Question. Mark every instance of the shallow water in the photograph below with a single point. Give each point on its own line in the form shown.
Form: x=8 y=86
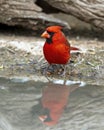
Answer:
x=57 y=105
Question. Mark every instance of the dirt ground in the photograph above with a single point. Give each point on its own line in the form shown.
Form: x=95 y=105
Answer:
x=21 y=55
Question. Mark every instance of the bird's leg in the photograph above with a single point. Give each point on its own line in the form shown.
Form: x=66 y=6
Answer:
x=64 y=73
x=50 y=69
x=45 y=71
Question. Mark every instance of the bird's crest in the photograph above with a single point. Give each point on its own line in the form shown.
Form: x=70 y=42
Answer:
x=54 y=28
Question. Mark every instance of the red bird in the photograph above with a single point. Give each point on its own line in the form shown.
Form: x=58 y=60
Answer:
x=56 y=48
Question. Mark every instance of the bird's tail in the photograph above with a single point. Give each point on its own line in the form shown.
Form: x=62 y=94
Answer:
x=74 y=48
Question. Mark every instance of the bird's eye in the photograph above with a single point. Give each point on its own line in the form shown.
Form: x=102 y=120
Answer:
x=49 y=40
x=50 y=33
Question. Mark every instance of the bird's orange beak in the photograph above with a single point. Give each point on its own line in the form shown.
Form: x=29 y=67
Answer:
x=45 y=35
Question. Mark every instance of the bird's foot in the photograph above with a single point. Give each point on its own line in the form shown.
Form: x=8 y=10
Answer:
x=48 y=70
x=62 y=71
x=53 y=69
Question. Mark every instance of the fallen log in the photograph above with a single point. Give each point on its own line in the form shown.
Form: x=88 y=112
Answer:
x=90 y=11
x=27 y=14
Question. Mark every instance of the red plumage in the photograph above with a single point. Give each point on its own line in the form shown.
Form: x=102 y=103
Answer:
x=56 y=48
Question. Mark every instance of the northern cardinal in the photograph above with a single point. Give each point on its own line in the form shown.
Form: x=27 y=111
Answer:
x=56 y=48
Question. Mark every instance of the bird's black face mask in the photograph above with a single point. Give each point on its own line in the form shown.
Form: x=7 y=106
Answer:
x=49 y=40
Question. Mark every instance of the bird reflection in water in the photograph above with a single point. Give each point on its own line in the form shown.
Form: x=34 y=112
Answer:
x=54 y=100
